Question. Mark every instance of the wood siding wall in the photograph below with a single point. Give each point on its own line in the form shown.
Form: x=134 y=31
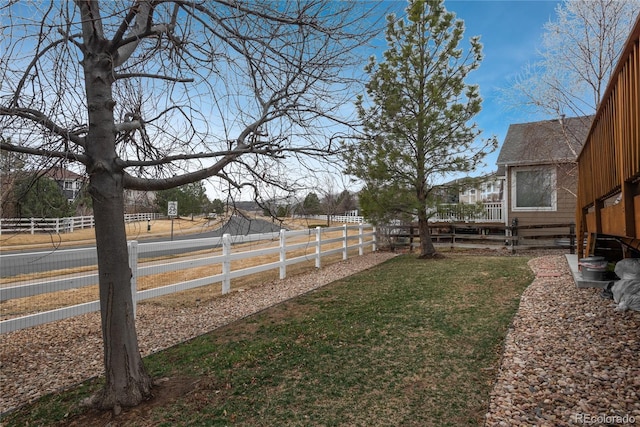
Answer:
x=609 y=164
x=565 y=212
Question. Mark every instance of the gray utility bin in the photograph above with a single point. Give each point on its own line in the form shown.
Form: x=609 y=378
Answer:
x=593 y=267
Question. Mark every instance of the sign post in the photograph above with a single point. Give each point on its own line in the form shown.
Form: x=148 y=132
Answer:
x=172 y=212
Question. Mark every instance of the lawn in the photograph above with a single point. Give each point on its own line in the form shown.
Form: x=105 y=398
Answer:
x=409 y=342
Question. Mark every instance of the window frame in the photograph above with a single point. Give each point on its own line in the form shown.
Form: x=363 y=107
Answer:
x=552 y=171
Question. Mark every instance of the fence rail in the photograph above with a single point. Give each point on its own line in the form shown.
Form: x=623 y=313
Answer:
x=59 y=225
x=496 y=236
x=317 y=240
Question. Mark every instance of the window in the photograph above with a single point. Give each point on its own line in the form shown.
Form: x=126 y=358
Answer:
x=533 y=189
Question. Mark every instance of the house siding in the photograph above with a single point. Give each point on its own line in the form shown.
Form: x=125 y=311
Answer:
x=565 y=205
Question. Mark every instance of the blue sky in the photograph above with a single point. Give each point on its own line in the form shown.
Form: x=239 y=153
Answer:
x=511 y=33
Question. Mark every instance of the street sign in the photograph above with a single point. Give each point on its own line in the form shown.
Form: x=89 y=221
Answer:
x=172 y=209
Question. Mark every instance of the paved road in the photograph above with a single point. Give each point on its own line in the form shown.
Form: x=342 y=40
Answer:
x=13 y=264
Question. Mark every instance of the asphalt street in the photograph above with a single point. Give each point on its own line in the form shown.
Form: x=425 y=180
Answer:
x=15 y=263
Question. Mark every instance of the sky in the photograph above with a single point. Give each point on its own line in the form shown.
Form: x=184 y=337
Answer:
x=511 y=34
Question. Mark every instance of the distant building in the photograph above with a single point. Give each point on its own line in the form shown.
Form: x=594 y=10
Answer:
x=486 y=188
x=69 y=182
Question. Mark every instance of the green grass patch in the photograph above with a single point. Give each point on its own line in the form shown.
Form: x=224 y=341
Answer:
x=410 y=342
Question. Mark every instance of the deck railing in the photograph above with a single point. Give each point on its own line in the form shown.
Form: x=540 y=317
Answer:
x=482 y=212
x=609 y=164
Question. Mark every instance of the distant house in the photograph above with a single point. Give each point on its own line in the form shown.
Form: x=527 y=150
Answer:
x=69 y=182
x=138 y=201
x=539 y=163
x=486 y=188
x=477 y=200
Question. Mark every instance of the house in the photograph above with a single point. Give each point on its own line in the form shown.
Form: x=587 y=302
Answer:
x=138 y=201
x=69 y=182
x=485 y=193
x=539 y=163
x=486 y=188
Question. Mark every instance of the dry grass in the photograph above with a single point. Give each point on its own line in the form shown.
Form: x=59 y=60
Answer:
x=135 y=230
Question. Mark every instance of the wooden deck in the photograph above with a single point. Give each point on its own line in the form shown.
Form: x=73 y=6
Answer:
x=609 y=165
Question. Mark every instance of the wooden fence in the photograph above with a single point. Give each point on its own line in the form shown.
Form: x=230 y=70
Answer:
x=482 y=236
x=316 y=240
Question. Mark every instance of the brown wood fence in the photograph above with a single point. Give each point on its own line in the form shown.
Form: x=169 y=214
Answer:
x=543 y=236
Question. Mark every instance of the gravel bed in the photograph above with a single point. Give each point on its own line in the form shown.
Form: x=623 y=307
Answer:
x=569 y=358
x=47 y=358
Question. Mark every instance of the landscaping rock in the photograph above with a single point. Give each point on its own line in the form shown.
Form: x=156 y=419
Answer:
x=569 y=359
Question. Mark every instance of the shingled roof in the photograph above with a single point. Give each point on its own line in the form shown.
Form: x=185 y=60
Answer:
x=547 y=141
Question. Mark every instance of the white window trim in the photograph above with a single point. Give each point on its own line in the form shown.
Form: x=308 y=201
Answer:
x=554 y=194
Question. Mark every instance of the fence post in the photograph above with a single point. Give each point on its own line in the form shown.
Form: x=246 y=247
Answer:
x=514 y=234
x=283 y=254
x=345 y=242
x=133 y=265
x=33 y=224
x=411 y=239
x=360 y=239
x=318 y=246
x=572 y=238
x=375 y=239
x=226 y=263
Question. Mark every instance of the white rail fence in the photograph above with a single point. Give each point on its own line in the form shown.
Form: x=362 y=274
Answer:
x=345 y=219
x=316 y=240
x=60 y=225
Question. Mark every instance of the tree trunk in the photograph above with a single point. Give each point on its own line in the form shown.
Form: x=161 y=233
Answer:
x=427 y=250
x=127 y=382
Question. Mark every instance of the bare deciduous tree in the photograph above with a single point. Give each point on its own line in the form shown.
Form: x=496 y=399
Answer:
x=149 y=95
x=579 y=50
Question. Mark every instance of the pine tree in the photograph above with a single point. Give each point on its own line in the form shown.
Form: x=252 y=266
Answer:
x=417 y=115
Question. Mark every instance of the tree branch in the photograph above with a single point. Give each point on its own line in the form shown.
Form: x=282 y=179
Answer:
x=44 y=121
x=42 y=152
x=34 y=61
x=119 y=76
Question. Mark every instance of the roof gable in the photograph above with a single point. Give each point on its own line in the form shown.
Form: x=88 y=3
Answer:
x=547 y=141
x=60 y=174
